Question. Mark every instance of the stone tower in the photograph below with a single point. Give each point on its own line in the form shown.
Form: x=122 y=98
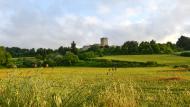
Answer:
x=104 y=41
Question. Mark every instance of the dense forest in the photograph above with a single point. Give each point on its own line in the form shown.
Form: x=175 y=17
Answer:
x=71 y=55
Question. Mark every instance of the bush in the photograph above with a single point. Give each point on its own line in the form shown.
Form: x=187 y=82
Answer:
x=25 y=63
x=11 y=65
x=181 y=66
x=185 y=54
x=54 y=60
x=115 y=63
x=70 y=58
x=151 y=63
x=87 y=55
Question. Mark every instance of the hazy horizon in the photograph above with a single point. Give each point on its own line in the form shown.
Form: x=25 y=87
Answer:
x=54 y=23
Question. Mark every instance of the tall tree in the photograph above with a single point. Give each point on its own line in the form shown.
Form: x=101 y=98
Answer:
x=4 y=56
x=155 y=47
x=73 y=48
x=130 y=47
x=145 y=48
x=41 y=53
x=70 y=58
x=62 y=50
x=183 y=43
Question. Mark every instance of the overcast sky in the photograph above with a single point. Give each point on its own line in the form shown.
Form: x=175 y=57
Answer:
x=52 y=23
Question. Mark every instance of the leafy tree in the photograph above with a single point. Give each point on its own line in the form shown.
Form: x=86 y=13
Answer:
x=117 y=50
x=172 y=46
x=112 y=50
x=165 y=49
x=54 y=59
x=130 y=47
x=70 y=58
x=155 y=47
x=185 y=54
x=87 y=55
x=97 y=49
x=145 y=48
x=5 y=57
x=42 y=53
x=183 y=43
x=62 y=50
x=32 y=52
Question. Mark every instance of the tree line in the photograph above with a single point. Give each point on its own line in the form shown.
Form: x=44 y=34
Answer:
x=128 y=48
x=72 y=54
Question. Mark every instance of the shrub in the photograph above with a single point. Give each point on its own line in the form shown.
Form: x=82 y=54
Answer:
x=70 y=58
x=181 y=66
x=26 y=62
x=54 y=59
x=115 y=63
x=87 y=55
x=185 y=54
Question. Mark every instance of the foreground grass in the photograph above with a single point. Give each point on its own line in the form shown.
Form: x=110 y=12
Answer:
x=94 y=87
x=161 y=59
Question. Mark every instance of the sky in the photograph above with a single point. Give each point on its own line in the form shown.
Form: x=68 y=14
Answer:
x=55 y=23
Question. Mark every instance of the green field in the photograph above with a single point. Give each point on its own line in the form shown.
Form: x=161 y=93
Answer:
x=161 y=59
x=98 y=87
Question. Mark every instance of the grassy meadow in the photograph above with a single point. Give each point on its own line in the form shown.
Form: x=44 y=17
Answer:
x=161 y=59
x=98 y=87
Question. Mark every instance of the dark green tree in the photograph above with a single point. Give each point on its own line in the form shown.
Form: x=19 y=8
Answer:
x=62 y=50
x=42 y=52
x=130 y=47
x=87 y=55
x=74 y=48
x=183 y=43
x=155 y=47
x=145 y=48
x=70 y=58
x=54 y=59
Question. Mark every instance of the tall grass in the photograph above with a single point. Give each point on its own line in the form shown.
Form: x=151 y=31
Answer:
x=21 y=90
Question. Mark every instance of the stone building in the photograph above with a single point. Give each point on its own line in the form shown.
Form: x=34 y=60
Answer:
x=104 y=42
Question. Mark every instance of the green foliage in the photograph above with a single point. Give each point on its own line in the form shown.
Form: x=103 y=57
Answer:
x=183 y=43
x=166 y=49
x=70 y=58
x=41 y=52
x=116 y=63
x=54 y=60
x=26 y=62
x=145 y=48
x=130 y=47
x=18 y=52
x=62 y=50
x=155 y=47
x=2 y=56
x=87 y=55
x=5 y=57
x=185 y=54
x=74 y=48
x=182 y=66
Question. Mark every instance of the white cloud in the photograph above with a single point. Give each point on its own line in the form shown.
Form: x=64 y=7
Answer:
x=27 y=26
x=103 y=9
